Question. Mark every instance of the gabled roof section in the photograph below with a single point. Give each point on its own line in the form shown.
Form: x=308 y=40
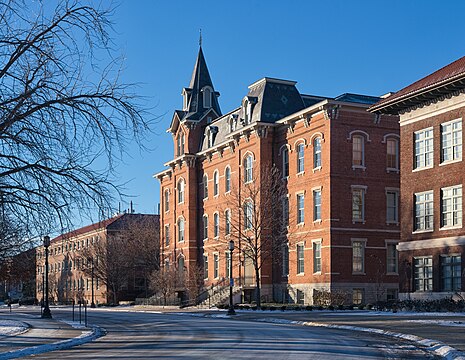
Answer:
x=446 y=80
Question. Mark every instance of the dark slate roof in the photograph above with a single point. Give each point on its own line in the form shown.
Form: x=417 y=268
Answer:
x=220 y=126
x=275 y=99
x=310 y=100
x=199 y=79
x=358 y=98
x=445 y=80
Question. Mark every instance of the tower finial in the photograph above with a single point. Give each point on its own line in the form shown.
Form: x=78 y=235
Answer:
x=200 y=37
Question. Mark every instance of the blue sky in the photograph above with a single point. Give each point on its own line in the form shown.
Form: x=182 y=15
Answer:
x=328 y=47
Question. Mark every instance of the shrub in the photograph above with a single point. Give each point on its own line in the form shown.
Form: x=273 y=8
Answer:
x=331 y=307
x=309 y=308
x=272 y=308
x=340 y=307
x=264 y=307
x=254 y=307
x=283 y=308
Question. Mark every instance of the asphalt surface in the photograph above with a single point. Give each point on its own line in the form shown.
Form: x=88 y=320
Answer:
x=138 y=335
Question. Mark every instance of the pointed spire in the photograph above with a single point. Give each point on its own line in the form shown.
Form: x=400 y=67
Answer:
x=200 y=37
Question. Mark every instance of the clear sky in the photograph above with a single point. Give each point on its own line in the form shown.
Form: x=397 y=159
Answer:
x=328 y=47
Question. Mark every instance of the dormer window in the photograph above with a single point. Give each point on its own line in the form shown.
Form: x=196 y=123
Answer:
x=185 y=99
x=246 y=112
x=207 y=97
x=233 y=123
x=209 y=138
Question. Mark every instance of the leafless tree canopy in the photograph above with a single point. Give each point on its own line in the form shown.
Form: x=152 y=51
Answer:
x=65 y=115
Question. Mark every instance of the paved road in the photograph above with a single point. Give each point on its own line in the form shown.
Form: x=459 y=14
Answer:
x=134 y=335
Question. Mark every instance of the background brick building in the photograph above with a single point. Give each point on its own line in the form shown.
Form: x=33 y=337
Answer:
x=338 y=163
x=432 y=173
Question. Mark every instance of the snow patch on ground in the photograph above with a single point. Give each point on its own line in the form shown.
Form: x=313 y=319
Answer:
x=85 y=337
x=12 y=327
x=433 y=346
x=439 y=322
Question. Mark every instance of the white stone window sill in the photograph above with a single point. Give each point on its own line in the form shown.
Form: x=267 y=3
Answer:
x=318 y=168
x=422 y=168
x=206 y=198
x=422 y=231
x=450 y=162
x=227 y=192
x=392 y=273
x=317 y=221
x=301 y=224
x=358 y=221
x=358 y=273
x=317 y=273
x=392 y=170
x=359 y=167
x=396 y=223
x=302 y=173
x=445 y=228
x=300 y=274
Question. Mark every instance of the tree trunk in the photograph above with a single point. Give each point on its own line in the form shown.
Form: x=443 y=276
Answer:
x=257 y=286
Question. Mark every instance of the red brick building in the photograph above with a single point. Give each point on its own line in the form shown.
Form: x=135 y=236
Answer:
x=432 y=173
x=340 y=165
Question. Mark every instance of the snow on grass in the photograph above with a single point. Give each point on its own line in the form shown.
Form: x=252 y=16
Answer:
x=85 y=337
x=12 y=327
x=456 y=323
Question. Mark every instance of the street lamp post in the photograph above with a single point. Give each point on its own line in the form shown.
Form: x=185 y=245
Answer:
x=92 y=305
x=46 y=314
x=231 y=280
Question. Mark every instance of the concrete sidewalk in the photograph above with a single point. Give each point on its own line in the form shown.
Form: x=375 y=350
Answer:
x=42 y=336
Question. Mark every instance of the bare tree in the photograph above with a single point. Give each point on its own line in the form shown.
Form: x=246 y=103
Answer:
x=195 y=282
x=259 y=219
x=164 y=281
x=130 y=250
x=63 y=112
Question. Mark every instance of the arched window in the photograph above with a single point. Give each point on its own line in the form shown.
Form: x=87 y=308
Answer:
x=248 y=169
x=216 y=225
x=246 y=112
x=216 y=185
x=205 y=227
x=392 y=154
x=227 y=222
x=317 y=152
x=300 y=158
x=248 y=215
x=358 y=151
x=207 y=97
x=285 y=155
x=181 y=264
x=180 y=191
x=227 y=179
x=181 y=230
x=180 y=144
x=205 y=186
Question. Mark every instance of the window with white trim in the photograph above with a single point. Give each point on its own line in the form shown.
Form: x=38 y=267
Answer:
x=216 y=184
x=423 y=148
x=358 y=204
x=358 y=296
x=285 y=209
x=180 y=143
x=316 y=256
x=248 y=215
x=167 y=200
x=358 y=256
x=392 y=206
x=181 y=230
x=451 y=272
x=285 y=258
x=167 y=235
x=205 y=227
x=423 y=274
x=227 y=222
x=317 y=152
x=216 y=266
x=317 y=205
x=300 y=158
x=300 y=259
x=451 y=141
x=180 y=191
x=300 y=208
x=205 y=266
x=451 y=206
x=424 y=211
x=392 y=154
x=285 y=155
x=216 y=225
x=391 y=258
x=358 y=151
x=227 y=179
x=248 y=169
x=205 y=186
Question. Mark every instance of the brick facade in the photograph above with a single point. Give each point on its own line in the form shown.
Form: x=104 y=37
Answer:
x=279 y=120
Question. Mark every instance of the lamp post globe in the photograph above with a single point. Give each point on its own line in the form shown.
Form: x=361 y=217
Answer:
x=231 y=280
x=46 y=314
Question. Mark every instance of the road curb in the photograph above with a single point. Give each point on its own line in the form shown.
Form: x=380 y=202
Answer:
x=432 y=346
x=86 y=336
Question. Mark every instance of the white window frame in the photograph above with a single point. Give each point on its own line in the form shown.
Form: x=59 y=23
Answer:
x=216 y=183
x=205 y=186
x=181 y=191
x=205 y=226
x=167 y=200
x=248 y=215
x=362 y=152
x=216 y=265
x=454 y=267
x=423 y=273
x=316 y=245
x=181 y=230
x=248 y=168
x=300 y=256
x=451 y=207
x=395 y=167
x=358 y=259
x=205 y=266
x=167 y=234
x=300 y=153
x=451 y=152
x=392 y=259
x=227 y=222
x=361 y=189
x=423 y=211
x=317 y=155
x=316 y=205
x=227 y=179
x=300 y=197
x=423 y=149
x=394 y=207
x=216 y=225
